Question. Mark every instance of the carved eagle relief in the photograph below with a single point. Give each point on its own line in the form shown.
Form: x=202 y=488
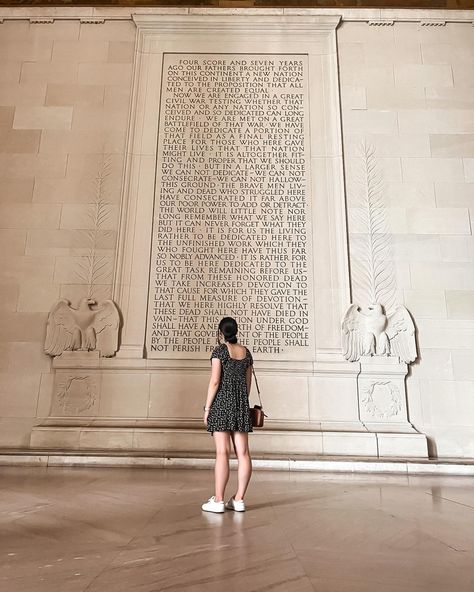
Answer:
x=82 y=328
x=373 y=333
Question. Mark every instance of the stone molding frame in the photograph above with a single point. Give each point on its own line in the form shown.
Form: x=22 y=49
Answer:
x=314 y=36
x=101 y=14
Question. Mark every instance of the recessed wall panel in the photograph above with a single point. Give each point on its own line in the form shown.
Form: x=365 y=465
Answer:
x=232 y=220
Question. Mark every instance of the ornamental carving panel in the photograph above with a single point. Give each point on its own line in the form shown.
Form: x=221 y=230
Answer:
x=382 y=400
x=76 y=395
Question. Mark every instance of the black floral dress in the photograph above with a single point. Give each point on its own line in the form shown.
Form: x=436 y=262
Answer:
x=230 y=409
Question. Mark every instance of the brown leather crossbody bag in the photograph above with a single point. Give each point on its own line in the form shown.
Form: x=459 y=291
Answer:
x=257 y=416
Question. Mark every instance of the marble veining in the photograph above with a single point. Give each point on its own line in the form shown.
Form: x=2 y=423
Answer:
x=124 y=529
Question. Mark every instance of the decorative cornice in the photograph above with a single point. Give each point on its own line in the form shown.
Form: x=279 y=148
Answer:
x=432 y=23
x=90 y=20
x=236 y=23
x=41 y=20
x=372 y=16
x=380 y=23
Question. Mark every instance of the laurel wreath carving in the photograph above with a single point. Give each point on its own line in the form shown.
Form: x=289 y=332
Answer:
x=377 y=410
x=96 y=268
x=372 y=262
x=76 y=394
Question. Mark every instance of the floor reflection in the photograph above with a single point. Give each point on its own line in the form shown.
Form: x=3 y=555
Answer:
x=143 y=530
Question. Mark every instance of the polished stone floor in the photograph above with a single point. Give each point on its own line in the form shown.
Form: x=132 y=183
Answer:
x=101 y=530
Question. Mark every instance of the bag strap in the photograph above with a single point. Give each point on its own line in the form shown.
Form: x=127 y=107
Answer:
x=256 y=384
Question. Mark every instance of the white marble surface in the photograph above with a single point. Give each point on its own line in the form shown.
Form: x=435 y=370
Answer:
x=270 y=463
x=406 y=88
x=384 y=439
x=140 y=530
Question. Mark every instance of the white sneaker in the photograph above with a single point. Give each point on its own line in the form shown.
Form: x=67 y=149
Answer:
x=212 y=506
x=237 y=506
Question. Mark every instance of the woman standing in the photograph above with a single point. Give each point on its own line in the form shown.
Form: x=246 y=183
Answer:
x=227 y=417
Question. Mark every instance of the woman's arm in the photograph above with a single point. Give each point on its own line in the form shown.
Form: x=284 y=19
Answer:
x=216 y=368
x=248 y=378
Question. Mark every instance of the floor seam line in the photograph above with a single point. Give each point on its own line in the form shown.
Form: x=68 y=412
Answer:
x=294 y=551
x=446 y=499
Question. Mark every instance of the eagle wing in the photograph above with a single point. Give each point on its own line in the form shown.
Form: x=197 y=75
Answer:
x=106 y=325
x=352 y=333
x=401 y=333
x=60 y=328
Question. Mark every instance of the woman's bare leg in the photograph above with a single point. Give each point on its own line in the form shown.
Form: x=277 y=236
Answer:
x=221 y=470
x=244 y=472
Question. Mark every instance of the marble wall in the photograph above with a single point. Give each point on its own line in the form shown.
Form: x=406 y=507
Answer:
x=406 y=92
x=64 y=100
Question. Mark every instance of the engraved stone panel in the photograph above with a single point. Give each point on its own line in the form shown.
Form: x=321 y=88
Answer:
x=231 y=229
x=75 y=394
x=382 y=399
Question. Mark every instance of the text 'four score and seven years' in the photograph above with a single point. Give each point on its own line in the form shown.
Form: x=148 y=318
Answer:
x=231 y=211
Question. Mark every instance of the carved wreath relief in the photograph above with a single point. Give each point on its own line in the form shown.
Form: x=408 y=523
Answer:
x=76 y=394
x=382 y=400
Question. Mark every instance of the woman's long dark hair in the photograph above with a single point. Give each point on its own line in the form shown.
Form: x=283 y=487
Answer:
x=228 y=327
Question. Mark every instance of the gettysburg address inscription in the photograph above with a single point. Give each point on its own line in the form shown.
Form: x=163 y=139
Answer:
x=231 y=233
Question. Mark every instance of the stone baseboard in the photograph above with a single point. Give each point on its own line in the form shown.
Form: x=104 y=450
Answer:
x=192 y=441
x=175 y=460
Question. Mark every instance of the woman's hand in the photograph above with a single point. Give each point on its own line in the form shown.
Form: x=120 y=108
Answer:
x=206 y=415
